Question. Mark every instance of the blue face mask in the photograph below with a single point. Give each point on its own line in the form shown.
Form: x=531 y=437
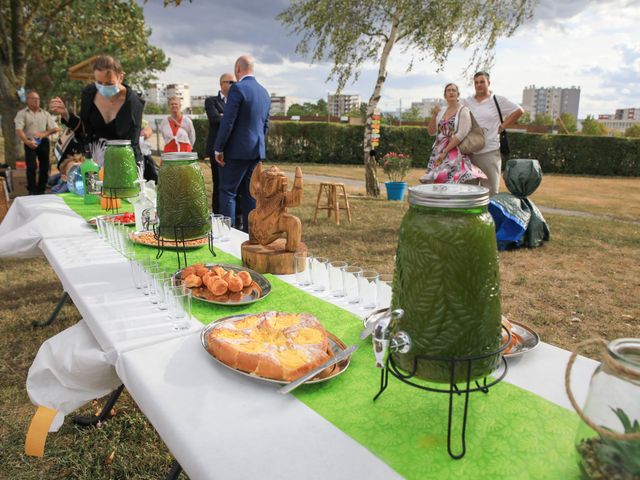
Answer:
x=107 y=90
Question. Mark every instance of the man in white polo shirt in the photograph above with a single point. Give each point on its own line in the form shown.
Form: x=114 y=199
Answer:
x=484 y=109
x=34 y=126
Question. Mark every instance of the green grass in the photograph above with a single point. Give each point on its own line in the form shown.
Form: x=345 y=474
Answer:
x=590 y=271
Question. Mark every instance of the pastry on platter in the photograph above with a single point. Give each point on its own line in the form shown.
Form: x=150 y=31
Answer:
x=276 y=345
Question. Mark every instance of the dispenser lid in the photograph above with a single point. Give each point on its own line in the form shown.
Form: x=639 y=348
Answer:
x=179 y=156
x=118 y=143
x=449 y=195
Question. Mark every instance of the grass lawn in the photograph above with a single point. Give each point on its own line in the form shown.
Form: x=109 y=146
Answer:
x=583 y=283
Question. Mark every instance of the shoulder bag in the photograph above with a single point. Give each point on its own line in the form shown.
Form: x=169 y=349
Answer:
x=504 y=140
x=474 y=141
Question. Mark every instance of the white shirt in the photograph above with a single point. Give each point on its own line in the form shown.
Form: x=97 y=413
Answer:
x=185 y=134
x=486 y=114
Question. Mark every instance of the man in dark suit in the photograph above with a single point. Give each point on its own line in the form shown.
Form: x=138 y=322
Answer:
x=214 y=106
x=242 y=139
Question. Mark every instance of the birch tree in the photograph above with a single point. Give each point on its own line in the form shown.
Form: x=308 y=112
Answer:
x=354 y=33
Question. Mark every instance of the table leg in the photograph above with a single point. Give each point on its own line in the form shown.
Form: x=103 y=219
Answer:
x=88 y=421
x=54 y=314
x=174 y=473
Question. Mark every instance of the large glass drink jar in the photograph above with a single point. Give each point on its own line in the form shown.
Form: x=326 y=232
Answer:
x=182 y=203
x=608 y=440
x=120 y=170
x=447 y=281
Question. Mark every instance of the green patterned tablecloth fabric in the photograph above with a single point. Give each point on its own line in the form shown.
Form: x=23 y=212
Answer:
x=511 y=433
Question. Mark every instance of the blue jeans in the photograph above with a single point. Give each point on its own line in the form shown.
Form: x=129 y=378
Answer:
x=234 y=179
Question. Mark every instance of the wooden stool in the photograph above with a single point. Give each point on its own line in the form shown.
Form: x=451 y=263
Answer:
x=334 y=192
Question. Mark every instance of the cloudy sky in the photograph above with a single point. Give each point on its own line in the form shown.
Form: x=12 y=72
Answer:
x=593 y=44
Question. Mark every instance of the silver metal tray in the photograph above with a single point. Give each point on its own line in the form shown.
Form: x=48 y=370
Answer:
x=248 y=295
x=335 y=344
x=92 y=221
x=530 y=339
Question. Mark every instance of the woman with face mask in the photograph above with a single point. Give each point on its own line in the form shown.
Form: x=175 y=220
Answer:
x=109 y=109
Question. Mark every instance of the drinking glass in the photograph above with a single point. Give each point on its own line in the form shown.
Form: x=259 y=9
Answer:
x=319 y=274
x=336 y=278
x=225 y=229
x=367 y=288
x=385 y=282
x=180 y=310
x=151 y=284
x=100 y=226
x=137 y=271
x=215 y=225
x=160 y=289
x=302 y=262
x=148 y=264
x=350 y=276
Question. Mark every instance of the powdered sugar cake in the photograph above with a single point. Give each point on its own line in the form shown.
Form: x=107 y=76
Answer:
x=274 y=345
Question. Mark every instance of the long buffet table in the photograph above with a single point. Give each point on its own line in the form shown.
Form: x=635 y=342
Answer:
x=219 y=424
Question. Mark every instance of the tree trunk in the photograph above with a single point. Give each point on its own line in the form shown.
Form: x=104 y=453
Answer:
x=371 y=177
x=8 y=110
x=13 y=69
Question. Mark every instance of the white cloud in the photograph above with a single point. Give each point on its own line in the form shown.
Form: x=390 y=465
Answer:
x=588 y=43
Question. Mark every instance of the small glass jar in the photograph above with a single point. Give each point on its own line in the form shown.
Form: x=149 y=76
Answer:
x=608 y=438
x=447 y=282
x=182 y=202
x=120 y=170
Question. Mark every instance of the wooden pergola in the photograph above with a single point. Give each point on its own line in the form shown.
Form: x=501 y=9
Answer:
x=83 y=71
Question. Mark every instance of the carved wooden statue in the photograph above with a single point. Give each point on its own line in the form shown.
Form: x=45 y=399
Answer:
x=270 y=220
x=274 y=234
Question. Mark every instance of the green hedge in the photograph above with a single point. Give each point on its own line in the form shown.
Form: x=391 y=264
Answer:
x=307 y=142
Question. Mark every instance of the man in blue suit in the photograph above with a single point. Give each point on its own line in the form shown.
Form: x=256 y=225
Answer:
x=241 y=140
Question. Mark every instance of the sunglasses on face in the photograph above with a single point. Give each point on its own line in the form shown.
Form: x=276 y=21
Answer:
x=230 y=82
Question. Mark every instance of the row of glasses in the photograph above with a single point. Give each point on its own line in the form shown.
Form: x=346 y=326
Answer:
x=220 y=227
x=166 y=292
x=351 y=283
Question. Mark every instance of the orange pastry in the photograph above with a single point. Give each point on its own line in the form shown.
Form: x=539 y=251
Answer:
x=245 y=277
x=282 y=346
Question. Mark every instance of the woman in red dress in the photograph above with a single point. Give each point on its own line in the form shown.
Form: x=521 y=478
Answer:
x=177 y=130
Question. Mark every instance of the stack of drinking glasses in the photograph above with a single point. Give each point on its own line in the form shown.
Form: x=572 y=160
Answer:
x=351 y=284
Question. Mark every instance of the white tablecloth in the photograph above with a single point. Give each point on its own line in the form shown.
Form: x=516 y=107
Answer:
x=32 y=218
x=216 y=423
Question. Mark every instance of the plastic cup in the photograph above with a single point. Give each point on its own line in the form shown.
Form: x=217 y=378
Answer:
x=368 y=288
x=384 y=286
x=336 y=278
x=302 y=262
x=319 y=278
x=350 y=282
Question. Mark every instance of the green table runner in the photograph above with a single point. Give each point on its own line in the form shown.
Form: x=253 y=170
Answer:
x=511 y=433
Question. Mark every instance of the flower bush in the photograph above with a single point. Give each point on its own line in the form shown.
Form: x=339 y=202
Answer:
x=396 y=166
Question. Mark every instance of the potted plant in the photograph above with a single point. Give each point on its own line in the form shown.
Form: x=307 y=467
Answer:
x=396 y=166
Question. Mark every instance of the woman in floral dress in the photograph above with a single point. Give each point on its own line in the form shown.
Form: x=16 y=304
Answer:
x=447 y=164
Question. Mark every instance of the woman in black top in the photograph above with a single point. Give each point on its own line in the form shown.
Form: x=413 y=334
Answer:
x=109 y=109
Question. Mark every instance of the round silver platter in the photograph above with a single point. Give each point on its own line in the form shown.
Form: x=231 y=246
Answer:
x=333 y=371
x=530 y=339
x=250 y=295
x=167 y=244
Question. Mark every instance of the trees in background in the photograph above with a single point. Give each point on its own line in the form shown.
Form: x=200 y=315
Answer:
x=350 y=34
x=590 y=126
x=318 y=109
x=39 y=41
